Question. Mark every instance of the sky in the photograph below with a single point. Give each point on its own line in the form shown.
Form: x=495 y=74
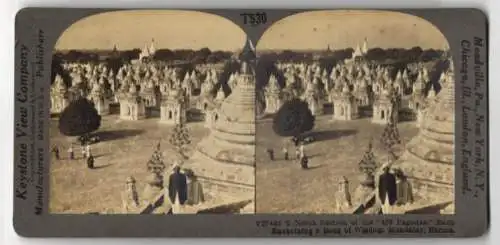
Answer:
x=170 y=29
x=345 y=29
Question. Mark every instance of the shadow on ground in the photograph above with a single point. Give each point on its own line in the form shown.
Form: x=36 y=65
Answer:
x=117 y=134
x=315 y=167
x=99 y=155
x=432 y=209
x=330 y=134
x=102 y=166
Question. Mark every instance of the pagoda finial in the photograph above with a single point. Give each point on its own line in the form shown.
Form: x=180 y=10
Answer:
x=248 y=53
x=250 y=45
x=158 y=146
x=365 y=46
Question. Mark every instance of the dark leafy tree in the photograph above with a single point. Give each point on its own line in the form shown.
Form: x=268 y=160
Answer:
x=430 y=54
x=293 y=119
x=180 y=138
x=200 y=56
x=72 y=55
x=414 y=54
x=376 y=54
x=183 y=54
x=80 y=118
x=288 y=56
x=129 y=55
x=204 y=52
x=218 y=56
x=164 y=54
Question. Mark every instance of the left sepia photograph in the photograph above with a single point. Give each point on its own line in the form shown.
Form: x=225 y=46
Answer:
x=152 y=112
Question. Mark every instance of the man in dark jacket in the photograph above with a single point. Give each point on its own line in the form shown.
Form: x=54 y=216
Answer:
x=177 y=185
x=270 y=152
x=295 y=140
x=55 y=151
x=90 y=161
x=387 y=187
x=304 y=160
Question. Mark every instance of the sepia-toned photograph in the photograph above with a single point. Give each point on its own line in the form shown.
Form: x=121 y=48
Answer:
x=358 y=115
x=152 y=112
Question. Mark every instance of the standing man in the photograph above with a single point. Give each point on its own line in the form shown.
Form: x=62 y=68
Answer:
x=285 y=152
x=70 y=152
x=304 y=162
x=270 y=152
x=387 y=190
x=87 y=150
x=55 y=150
x=90 y=161
x=194 y=188
x=177 y=186
x=403 y=187
x=84 y=152
x=295 y=140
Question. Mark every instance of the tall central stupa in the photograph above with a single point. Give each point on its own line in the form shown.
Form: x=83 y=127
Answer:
x=429 y=157
x=225 y=160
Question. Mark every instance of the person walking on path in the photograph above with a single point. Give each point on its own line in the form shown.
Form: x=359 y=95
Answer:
x=304 y=162
x=297 y=153
x=90 y=162
x=55 y=150
x=270 y=152
x=71 y=153
x=88 y=150
x=84 y=152
x=285 y=152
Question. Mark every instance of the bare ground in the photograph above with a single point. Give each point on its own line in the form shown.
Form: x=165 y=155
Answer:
x=124 y=149
x=283 y=187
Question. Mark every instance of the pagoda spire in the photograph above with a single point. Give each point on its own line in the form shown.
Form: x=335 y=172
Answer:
x=248 y=54
x=365 y=46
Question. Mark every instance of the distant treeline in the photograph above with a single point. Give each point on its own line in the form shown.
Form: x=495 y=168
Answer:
x=203 y=55
x=414 y=54
x=398 y=58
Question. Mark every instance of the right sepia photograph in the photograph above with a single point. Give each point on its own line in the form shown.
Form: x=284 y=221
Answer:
x=357 y=115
